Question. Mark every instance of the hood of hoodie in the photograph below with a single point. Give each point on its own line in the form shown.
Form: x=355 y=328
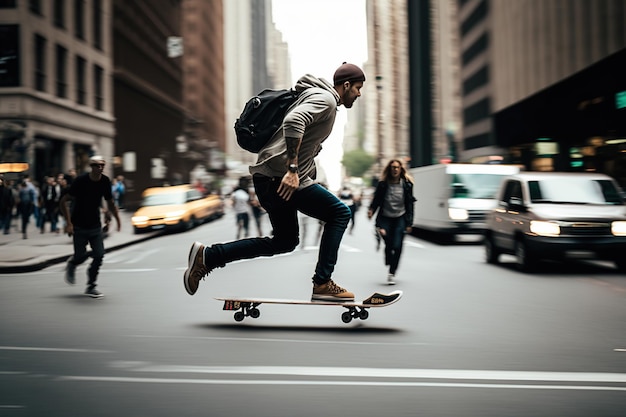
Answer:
x=308 y=81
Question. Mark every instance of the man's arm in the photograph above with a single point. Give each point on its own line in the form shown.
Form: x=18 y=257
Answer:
x=113 y=210
x=291 y=180
x=65 y=211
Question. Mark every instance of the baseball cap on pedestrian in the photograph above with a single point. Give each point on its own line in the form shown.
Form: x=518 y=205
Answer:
x=97 y=160
x=348 y=72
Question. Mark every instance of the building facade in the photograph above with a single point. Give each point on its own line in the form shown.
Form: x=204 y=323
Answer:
x=256 y=58
x=56 y=102
x=203 y=88
x=148 y=95
x=386 y=90
x=542 y=82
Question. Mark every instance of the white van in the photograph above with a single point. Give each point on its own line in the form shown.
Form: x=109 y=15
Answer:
x=455 y=198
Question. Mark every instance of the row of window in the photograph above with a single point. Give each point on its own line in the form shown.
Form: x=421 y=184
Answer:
x=61 y=71
x=59 y=15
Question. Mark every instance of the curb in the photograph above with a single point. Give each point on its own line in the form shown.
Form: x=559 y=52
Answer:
x=37 y=266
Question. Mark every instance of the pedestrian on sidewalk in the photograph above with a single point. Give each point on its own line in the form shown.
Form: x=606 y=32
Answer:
x=257 y=211
x=49 y=203
x=27 y=197
x=83 y=222
x=241 y=205
x=393 y=199
x=348 y=199
x=283 y=178
x=6 y=206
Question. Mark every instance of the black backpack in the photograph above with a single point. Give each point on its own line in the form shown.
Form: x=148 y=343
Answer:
x=261 y=117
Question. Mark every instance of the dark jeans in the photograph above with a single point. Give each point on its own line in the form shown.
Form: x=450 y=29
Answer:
x=315 y=201
x=243 y=222
x=95 y=239
x=5 y=222
x=394 y=228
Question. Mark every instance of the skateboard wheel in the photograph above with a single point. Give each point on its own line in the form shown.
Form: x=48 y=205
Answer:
x=255 y=313
x=346 y=317
x=239 y=316
x=364 y=314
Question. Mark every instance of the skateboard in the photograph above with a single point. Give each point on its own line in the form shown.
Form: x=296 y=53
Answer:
x=249 y=307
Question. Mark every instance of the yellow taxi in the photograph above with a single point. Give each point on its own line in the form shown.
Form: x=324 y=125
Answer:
x=179 y=207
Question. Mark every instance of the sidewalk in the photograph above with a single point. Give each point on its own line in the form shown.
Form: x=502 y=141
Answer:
x=42 y=250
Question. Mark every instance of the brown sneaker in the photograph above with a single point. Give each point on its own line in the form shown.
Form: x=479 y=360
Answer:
x=330 y=291
x=196 y=269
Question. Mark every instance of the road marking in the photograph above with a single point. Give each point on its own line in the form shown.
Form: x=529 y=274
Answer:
x=619 y=350
x=414 y=244
x=49 y=349
x=144 y=254
x=398 y=373
x=252 y=339
x=334 y=383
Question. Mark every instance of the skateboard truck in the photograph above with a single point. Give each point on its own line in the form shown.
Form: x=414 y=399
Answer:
x=245 y=309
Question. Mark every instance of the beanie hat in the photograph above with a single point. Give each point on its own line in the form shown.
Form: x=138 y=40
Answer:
x=348 y=72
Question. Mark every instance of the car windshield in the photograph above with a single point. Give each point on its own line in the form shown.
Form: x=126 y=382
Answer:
x=166 y=199
x=574 y=190
x=475 y=185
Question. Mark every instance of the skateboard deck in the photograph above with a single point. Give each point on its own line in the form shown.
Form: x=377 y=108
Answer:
x=249 y=307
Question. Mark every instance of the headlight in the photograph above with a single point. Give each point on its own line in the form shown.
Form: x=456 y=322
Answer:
x=618 y=228
x=458 y=214
x=544 y=228
x=139 y=219
x=174 y=215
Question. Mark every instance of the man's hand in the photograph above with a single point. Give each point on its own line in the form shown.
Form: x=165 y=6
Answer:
x=69 y=229
x=288 y=185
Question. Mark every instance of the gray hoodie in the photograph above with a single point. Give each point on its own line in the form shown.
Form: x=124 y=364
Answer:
x=310 y=118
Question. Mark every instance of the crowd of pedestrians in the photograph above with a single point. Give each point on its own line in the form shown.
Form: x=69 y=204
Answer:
x=24 y=202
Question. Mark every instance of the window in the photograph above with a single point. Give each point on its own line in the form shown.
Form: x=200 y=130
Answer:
x=479 y=46
x=35 y=7
x=9 y=56
x=513 y=193
x=8 y=4
x=477 y=111
x=477 y=16
x=98 y=88
x=79 y=19
x=81 y=91
x=40 y=63
x=59 y=13
x=97 y=24
x=477 y=80
x=61 y=72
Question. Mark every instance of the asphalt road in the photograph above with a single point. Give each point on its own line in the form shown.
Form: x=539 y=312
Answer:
x=467 y=339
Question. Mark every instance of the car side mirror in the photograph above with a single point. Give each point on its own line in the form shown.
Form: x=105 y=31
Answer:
x=516 y=203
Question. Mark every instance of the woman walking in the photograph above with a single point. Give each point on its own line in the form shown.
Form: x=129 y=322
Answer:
x=393 y=199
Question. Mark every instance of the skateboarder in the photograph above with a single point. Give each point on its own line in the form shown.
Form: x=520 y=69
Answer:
x=283 y=179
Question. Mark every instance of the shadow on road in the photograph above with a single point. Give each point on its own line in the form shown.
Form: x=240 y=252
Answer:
x=356 y=328
x=446 y=239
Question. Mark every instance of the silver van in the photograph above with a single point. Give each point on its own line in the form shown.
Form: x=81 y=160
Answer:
x=549 y=215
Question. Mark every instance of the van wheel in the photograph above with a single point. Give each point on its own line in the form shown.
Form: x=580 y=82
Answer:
x=492 y=254
x=526 y=260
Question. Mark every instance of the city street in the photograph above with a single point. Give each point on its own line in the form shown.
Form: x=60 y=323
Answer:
x=466 y=339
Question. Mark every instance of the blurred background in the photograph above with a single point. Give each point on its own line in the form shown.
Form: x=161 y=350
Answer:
x=155 y=86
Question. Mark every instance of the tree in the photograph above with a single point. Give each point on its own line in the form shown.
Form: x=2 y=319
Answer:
x=357 y=162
